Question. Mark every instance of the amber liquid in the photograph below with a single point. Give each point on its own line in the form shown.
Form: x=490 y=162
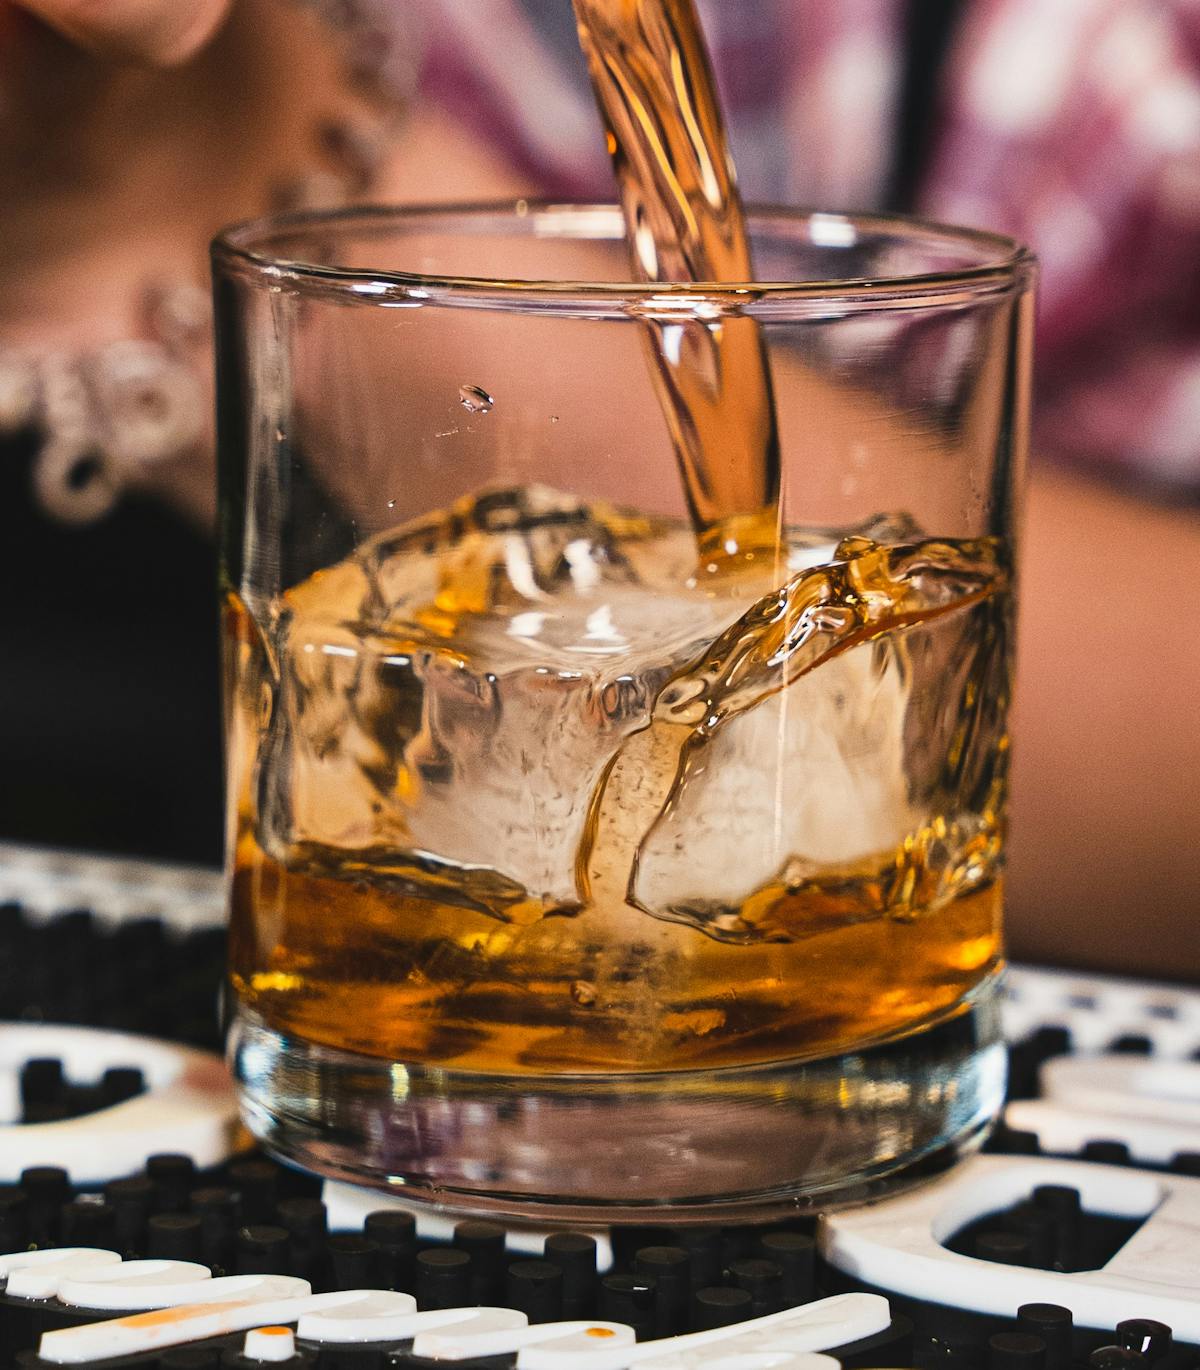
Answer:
x=684 y=222
x=656 y=812
x=627 y=823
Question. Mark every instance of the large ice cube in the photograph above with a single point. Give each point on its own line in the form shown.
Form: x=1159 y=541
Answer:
x=449 y=698
x=809 y=780
x=526 y=702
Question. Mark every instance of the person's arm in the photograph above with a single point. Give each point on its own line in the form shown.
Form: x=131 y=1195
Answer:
x=1105 y=852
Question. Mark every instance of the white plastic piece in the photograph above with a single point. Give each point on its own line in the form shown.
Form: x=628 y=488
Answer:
x=37 y=1274
x=727 y=1358
x=137 y=1284
x=1161 y=1090
x=24 y=1260
x=188 y=1106
x=1099 y=1008
x=89 y=1277
x=10 y=1097
x=777 y=1339
x=349 y=1204
x=369 y=1315
x=471 y=1339
x=1151 y=1104
x=269 y=1344
x=263 y=1300
x=1069 y=1130
x=47 y=882
x=313 y=1326
x=896 y=1245
x=571 y=1344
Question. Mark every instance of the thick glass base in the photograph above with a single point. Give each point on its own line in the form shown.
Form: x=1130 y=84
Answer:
x=729 y=1145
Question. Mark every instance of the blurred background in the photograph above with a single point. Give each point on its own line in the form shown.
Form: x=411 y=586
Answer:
x=129 y=133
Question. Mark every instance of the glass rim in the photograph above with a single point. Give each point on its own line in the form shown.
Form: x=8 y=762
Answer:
x=243 y=248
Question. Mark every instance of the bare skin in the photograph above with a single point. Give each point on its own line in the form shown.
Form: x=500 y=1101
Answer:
x=117 y=169
x=134 y=30
x=1105 y=862
x=133 y=128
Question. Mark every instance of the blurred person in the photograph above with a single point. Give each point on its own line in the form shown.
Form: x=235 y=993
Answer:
x=130 y=130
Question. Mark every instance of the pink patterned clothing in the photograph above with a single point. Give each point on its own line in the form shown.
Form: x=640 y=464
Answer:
x=1072 y=124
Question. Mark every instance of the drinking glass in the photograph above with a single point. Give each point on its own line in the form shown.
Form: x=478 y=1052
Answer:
x=577 y=865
